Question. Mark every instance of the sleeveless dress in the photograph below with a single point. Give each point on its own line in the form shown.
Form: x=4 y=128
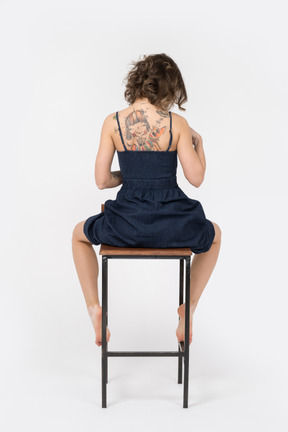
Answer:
x=150 y=209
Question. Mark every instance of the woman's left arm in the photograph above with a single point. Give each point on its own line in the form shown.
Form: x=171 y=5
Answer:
x=104 y=177
x=115 y=180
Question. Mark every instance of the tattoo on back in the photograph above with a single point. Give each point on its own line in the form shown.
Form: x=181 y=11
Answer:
x=139 y=134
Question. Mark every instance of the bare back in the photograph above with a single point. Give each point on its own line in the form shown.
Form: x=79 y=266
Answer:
x=145 y=127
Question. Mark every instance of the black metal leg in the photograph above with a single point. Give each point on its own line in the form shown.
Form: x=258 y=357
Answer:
x=104 y=319
x=107 y=320
x=187 y=325
x=181 y=280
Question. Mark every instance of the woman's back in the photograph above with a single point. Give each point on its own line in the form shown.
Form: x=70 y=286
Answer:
x=145 y=127
x=142 y=127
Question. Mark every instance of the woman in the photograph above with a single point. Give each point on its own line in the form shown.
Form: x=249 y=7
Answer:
x=150 y=209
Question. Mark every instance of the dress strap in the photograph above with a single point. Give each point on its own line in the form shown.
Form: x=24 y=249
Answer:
x=170 y=130
x=120 y=131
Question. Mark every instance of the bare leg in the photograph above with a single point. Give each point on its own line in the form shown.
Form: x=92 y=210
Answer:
x=87 y=268
x=201 y=269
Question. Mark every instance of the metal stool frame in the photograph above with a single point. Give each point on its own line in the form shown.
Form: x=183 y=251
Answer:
x=183 y=347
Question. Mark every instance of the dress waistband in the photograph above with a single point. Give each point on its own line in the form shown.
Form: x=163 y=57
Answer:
x=161 y=183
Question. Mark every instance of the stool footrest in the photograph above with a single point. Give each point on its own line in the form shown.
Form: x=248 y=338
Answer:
x=144 y=353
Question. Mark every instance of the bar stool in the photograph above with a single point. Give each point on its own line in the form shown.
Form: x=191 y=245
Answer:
x=183 y=255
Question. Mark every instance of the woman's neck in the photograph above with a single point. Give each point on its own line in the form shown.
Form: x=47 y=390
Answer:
x=145 y=102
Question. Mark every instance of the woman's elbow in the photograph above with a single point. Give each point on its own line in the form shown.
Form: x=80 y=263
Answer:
x=101 y=187
x=196 y=181
x=103 y=181
x=197 y=184
x=99 y=184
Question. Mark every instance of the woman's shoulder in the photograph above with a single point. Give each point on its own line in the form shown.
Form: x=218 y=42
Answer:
x=178 y=121
x=123 y=111
x=110 y=119
x=179 y=118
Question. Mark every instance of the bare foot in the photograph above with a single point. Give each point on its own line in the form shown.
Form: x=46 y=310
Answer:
x=95 y=313
x=180 y=332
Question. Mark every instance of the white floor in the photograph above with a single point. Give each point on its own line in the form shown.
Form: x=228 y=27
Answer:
x=143 y=394
x=51 y=368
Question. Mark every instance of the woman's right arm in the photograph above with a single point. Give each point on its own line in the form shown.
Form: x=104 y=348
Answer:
x=192 y=159
x=198 y=145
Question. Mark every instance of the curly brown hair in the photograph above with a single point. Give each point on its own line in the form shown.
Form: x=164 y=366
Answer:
x=157 y=78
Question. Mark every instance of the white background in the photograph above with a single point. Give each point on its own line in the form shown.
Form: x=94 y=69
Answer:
x=62 y=67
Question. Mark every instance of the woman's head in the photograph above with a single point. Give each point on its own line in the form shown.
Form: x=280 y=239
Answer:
x=157 y=78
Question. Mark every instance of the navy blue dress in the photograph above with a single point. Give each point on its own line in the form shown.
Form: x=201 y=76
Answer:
x=150 y=209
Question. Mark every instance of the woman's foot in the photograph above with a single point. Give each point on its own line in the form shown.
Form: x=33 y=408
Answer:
x=95 y=313
x=180 y=332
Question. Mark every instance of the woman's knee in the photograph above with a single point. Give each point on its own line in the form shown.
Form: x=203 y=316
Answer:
x=78 y=233
x=218 y=233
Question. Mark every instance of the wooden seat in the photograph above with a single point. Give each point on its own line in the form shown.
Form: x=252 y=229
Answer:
x=184 y=256
x=114 y=250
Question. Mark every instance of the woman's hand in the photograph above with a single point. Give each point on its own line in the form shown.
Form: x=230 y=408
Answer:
x=196 y=138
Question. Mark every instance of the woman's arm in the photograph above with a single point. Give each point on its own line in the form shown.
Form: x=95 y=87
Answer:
x=192 y=165
x=114 y=181
x=198 y=146
x=104 y=177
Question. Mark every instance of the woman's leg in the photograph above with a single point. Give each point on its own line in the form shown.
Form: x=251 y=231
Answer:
x=201 y=269
x=87 y=268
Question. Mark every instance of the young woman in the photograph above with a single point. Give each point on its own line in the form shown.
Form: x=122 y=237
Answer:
x=150 y=209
